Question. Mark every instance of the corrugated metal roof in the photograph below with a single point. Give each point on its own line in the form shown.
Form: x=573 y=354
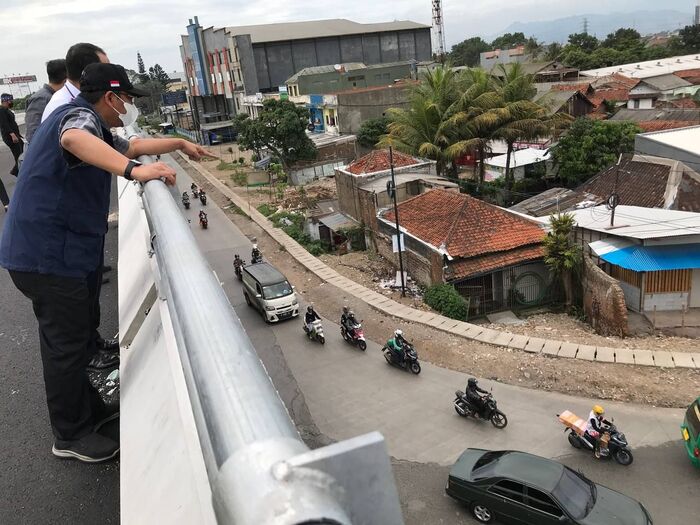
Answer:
x=647 y=258
x=316 y=70
x=338 y=221
x=649 y=68
x=318 y=29
x=666 y=82
x=521 y=157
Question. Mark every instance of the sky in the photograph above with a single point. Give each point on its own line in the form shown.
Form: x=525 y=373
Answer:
x=34 y=31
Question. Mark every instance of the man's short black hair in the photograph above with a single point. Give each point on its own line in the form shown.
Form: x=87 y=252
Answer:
x=92 y=96
x=80 y=56
x=56 y=69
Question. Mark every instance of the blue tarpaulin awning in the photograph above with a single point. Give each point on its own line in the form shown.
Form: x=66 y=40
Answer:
x=647 y=258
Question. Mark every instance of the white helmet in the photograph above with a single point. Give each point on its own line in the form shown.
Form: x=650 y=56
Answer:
x=255 y=247
x=398 y=333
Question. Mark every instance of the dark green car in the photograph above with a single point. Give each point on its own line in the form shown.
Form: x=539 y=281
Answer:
x=519 y=488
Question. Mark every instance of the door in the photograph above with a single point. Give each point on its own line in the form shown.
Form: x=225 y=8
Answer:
x=542 y=509
x=695 y=289
x=508 y=502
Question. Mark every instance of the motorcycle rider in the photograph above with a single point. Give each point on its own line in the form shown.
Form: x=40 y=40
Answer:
x=473 y=393
x=237 y=262
x=255 y=255
x=310 y=317
x=395 y=345
x=202 y=216
x=595 y=427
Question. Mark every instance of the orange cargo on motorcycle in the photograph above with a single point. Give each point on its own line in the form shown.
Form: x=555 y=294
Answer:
x=574 y=422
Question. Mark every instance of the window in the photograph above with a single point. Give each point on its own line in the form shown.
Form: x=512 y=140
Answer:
x=258 y=290
x=575 y=493
x=378 y=77
x=542 y=502
x=692 y=418
x=278 y=290
x=213 y=79
x=230 y=58
x=238 y=71
x=636 y=104
x=509 y=489
x=238 y=104
x=221 y=78
x=228 y=76
x=356 y=78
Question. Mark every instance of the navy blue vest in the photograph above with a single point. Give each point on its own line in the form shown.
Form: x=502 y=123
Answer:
x=58 y=215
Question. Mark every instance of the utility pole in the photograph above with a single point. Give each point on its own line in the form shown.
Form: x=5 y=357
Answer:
x=614 y=199
x=396 y=216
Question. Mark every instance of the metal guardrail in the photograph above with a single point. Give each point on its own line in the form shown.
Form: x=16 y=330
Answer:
x=260 y=471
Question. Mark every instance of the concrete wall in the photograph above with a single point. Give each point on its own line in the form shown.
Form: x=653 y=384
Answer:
x=633 y=296
x=603 y=301
x=644 y=103
x=244 y=48
x=332 y=81
x=355 y=108
x=277 y=61
x=665 y=301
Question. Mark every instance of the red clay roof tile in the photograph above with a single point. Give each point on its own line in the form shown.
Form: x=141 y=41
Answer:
x=467 y=226
x=378 y=160
x=485 y=264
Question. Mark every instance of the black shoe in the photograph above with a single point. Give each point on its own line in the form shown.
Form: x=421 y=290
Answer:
x=106 y=268
x=108 y=344
x=103 y=361
x=92 y=448
x=105 y=415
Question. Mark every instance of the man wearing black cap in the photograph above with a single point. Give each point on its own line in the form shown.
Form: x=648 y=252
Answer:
x=52 y=242
x=10 y=130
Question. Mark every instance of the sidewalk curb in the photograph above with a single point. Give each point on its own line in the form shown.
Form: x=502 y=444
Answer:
x=552 y=348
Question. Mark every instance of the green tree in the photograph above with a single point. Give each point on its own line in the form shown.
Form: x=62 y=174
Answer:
x=371 y=131
x=583 y=41
x=575 y=57
x=590 y=146
x=622 y=39
x=281 y=128
x=562 y=255
x=509 y=40
x=553 y=51
x=424 y=128
x=688 y=39
x=157 y=74
x=467 y=53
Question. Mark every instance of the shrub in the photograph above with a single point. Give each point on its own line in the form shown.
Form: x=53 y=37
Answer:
x=446 y=300
x=239 y=178
x=266 y=209
x=241 y=161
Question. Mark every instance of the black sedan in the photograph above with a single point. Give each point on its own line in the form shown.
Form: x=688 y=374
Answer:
x=515 y=487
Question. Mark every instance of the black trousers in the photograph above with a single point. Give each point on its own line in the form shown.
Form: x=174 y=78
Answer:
x=67 y=311
x=3 y=194
x=16 y=148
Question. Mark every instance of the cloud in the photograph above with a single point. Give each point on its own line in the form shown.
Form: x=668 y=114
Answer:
x=34 y=31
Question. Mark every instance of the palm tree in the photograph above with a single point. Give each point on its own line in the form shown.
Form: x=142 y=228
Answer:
x=424 y=128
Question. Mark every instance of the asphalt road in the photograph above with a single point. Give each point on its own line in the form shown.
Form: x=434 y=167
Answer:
x=344 y=386
x=36 y=487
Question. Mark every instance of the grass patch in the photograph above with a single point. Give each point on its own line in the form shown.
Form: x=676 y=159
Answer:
x=238 y=177
x=266 y=209
x=227 y=166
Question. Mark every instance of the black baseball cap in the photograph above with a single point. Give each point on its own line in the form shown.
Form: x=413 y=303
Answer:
x=108 y=77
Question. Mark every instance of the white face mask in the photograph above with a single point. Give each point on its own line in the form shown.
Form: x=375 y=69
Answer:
x=132 y=113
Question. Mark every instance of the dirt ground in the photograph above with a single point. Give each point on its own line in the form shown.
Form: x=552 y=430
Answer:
x=563 y=327
x=659 y=387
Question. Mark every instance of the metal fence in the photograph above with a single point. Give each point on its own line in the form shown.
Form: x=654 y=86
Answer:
x=516 y=288
x=259 y=469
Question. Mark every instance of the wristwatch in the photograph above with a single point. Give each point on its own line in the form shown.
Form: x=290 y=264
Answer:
x=127 y=172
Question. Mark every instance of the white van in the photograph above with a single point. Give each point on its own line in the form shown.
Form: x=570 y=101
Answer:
x=267 y=290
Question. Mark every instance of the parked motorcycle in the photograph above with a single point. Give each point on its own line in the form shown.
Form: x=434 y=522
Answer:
x=186 y=200
x=613 y=442
x=202 y=197
x=203 y=220
x=410 y=358
x=490 y=411
x=354 y=336
x=316 y=333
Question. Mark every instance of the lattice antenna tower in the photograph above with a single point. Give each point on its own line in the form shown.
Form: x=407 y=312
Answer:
x=585 y=26
x=439 y=30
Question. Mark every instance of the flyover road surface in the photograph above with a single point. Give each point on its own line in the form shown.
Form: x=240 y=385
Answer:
x=336 y=391
x=35 y=487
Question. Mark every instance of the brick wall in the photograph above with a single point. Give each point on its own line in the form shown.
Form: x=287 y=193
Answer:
x=603 y=301
x=424 y=270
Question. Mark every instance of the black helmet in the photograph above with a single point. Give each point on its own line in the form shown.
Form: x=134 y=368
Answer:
x=309 y=308
x=471 y=382
x=345 y=309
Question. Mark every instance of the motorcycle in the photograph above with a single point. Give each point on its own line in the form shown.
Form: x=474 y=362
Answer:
x=356 y=336
x=316 y=333
x=256 y=257
x=203 y=220
x=617 y=447
x=490 y=411
x=238 y=268
x=202 y=197
x=410 y=358
x=195 y=191
x=186 y=201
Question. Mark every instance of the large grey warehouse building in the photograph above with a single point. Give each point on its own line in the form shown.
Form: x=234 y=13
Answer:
x=222 y=65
